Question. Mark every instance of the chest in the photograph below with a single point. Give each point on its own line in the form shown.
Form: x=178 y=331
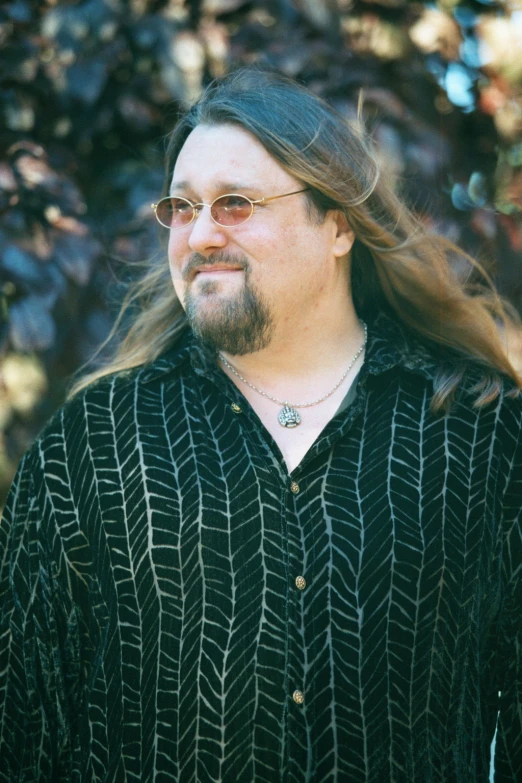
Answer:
x=294 y=440
x=393 y=505
x=296 y=427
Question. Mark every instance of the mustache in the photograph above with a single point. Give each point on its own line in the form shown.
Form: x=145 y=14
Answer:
x=197 y=261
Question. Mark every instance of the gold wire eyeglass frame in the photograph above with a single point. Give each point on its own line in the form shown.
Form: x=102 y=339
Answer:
x=196 y=208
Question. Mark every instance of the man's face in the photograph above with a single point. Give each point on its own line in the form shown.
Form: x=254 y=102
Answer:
x=242 y=285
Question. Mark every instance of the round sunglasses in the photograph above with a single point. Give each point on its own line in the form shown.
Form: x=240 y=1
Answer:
x=229 y=210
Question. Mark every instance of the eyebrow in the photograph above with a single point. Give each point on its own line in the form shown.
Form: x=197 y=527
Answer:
x=222 y=187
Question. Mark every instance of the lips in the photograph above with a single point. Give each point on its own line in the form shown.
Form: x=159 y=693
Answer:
x=217 y=270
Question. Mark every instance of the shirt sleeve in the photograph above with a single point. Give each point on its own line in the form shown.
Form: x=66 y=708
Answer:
x=508 y=751
x=33 y=734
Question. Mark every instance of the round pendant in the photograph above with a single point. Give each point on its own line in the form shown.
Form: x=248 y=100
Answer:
x=289 y=417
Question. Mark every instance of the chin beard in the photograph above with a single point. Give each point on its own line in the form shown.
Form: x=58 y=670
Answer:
x=237 y=326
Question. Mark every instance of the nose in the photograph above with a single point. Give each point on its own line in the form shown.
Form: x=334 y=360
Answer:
x=205 y=234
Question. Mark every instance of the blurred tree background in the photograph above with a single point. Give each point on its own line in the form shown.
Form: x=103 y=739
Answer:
x=88 y=88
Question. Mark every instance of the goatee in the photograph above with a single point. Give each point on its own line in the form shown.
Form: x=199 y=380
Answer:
x=241 y=324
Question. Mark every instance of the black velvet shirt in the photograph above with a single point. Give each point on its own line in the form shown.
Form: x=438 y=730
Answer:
x=176 y=607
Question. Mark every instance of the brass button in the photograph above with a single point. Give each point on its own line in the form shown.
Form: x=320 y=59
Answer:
x=294 y=487
x=235 y=407
x=300 y=582
x=298 y=697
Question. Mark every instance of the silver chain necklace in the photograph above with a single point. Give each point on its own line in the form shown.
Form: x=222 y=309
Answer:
x=288 y=416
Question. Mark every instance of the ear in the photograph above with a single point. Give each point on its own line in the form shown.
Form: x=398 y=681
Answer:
x=344 y=236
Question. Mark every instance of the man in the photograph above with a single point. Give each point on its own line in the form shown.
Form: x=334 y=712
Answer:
x=278 y=538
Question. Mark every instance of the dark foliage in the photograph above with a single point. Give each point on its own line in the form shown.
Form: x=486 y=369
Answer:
x=89 y=87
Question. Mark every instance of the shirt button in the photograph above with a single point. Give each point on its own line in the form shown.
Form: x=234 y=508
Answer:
x=235 y=407
x=300 y=582
x=298 y=697
x=294 y=487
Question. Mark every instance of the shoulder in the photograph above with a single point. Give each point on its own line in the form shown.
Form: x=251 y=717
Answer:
x=392 y=345
x=172 y=365
x=112 y=401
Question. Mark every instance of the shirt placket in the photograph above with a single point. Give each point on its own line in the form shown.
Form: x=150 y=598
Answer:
x=276 y=692
x=288 y=606
x=300 y=707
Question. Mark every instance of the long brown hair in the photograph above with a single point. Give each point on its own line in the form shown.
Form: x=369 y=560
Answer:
x=396 y=265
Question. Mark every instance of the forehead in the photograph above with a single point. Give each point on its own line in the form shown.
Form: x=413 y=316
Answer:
x=214 y=156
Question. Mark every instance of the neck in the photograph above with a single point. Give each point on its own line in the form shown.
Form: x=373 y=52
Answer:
x=304 y=360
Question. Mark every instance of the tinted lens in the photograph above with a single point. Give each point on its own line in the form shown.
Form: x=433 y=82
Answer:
x=231 y=210
x=174 y=212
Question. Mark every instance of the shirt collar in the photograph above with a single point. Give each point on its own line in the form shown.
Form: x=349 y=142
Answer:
x=390 y=345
